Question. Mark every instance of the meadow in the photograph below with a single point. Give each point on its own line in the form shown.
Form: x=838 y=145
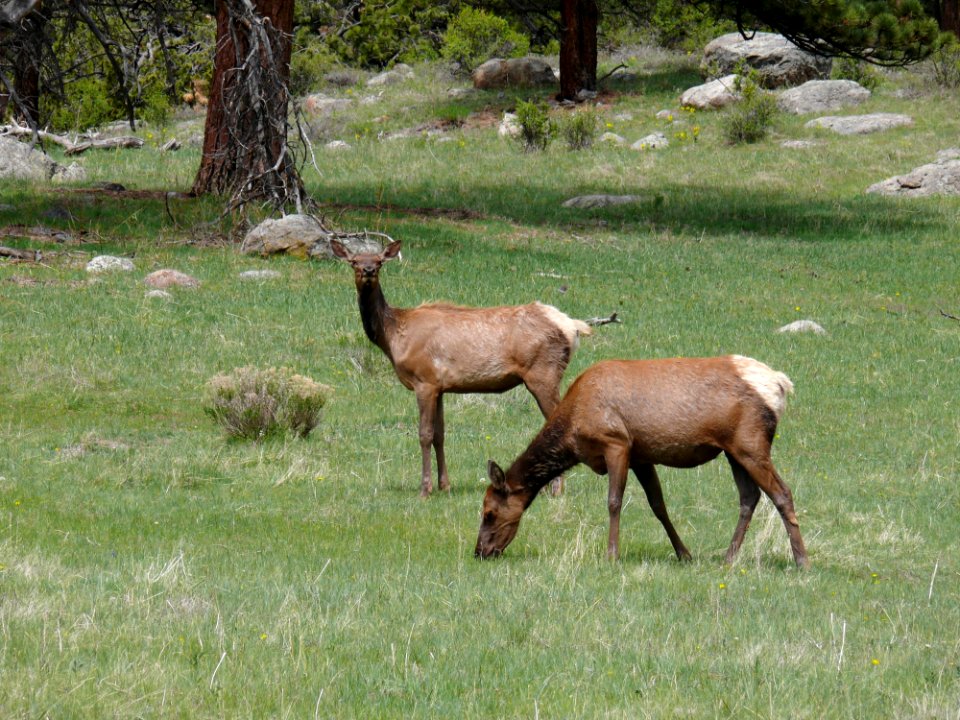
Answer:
x=151 y=568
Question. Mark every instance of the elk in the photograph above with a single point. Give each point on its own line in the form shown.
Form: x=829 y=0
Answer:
x=438 y=348
x=634 y=414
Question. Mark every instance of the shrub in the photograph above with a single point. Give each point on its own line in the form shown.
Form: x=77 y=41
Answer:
x=945 y=62
x=536 y=127
x=252 y=403
x=752 y=117
x=310 y=62
x=579 y=129
x=475 y=36
x=861 y=72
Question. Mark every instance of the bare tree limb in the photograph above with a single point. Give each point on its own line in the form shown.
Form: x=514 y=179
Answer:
x=948 y=315
x=13 y=11
x=602 y=321
x=70 y=147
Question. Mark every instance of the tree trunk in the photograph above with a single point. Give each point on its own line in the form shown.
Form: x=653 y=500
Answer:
x=245 y=152
x=578 y=47
x=26 y=71
x=950 y=16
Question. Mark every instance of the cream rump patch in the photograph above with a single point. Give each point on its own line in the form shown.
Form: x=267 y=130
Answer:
x=772 y=386
x=571 y=328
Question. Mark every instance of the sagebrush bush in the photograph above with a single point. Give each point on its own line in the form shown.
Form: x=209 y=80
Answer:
x=579 y=129
x=474 y=36
x=254 y=404
x=751 y=118
x=536 y=127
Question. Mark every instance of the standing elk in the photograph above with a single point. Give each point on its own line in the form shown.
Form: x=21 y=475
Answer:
x=438 y=348
x=621 y=415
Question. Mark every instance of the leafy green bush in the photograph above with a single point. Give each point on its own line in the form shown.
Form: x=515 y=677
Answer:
x=579 y=129
x=945 y=62
x=255 y=404
x=536 y=127
x=310 y=61
x=391 y=31
x=752 y=117
x=475 y=36
x=860 y=72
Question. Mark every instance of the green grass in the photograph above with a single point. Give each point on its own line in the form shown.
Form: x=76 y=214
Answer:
x=151 y=568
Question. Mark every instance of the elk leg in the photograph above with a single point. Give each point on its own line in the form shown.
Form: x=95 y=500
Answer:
x=427 y=404
x=617 y=467
x=749 y=496
x=647 y=475
x=763 y=474
x=438 y=445
x=547 y=394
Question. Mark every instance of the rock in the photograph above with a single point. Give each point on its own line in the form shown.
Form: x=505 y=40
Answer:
x=653 y=141
x=611 y=137
x=74 y=172
x=711 y=95
x=666 y=115
x=399 y=73
x=941 y=177
x=18 y=161
x=799 y=144
x=515 y=72
x=171 y=145
x=779 y=62
x=163 y=279
x=260 y=275
x=292 y=234
x=860 y=124
x=299 y=235
x=822 y=96
x=509 y=127
x=586 y=202
x=158 y=294
x=109 y=263
x=459 y=93
x=320 y=104
x=802 y=326
x=337 y=145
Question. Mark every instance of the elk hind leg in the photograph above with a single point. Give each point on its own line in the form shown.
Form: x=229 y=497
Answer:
x=749 y=496
x=762 y=472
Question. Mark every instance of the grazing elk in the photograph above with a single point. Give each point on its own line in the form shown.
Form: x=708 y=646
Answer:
x=439 y=348
x=621 y=415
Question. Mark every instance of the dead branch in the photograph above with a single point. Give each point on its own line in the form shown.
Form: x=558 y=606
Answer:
x=602 y=321
x=16 y=254
x=71 y=148
x=948 y=315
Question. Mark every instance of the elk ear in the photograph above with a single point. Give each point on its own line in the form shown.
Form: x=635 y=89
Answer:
x=337 y=248
x=497 y=479
x=392 y=250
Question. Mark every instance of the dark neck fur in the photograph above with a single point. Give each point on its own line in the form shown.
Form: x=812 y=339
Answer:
x=547 y=457
x=376 y=314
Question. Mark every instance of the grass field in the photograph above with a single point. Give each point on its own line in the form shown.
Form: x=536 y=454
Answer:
x=149 y=568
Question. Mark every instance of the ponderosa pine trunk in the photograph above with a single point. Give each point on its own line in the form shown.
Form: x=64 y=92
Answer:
x=578 y=47
x=246 y=155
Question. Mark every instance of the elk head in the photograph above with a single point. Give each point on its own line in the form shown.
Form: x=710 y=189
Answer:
x=502 y=509
x=366 y=266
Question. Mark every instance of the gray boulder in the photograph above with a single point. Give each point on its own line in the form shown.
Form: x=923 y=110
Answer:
x=712 y=95
x=822 y=96
x=861 y=124
x=941 y=177
x=515 y=72
x=109 y=263
x=779 y=62
x=167 y=278
x=398 y=74
x=586 y=202
x=301 y=236
x=653 y=141
x=319 y=104
x=18 y=161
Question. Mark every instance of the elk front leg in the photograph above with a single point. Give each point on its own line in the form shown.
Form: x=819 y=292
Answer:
x=617 y=467
x=438 y=445
x=427 y=404
x=647 y=475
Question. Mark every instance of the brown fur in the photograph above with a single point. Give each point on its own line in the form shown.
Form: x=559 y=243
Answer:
x=621 y=415
x=440 y=348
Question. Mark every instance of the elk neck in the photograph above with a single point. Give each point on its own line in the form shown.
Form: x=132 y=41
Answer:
x=547 y=457
x=377 y=316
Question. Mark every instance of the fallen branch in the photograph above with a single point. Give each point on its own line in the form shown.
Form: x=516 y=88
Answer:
x=29 y=255
x=603 y=321
x=948 y=315
x=70 y=147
